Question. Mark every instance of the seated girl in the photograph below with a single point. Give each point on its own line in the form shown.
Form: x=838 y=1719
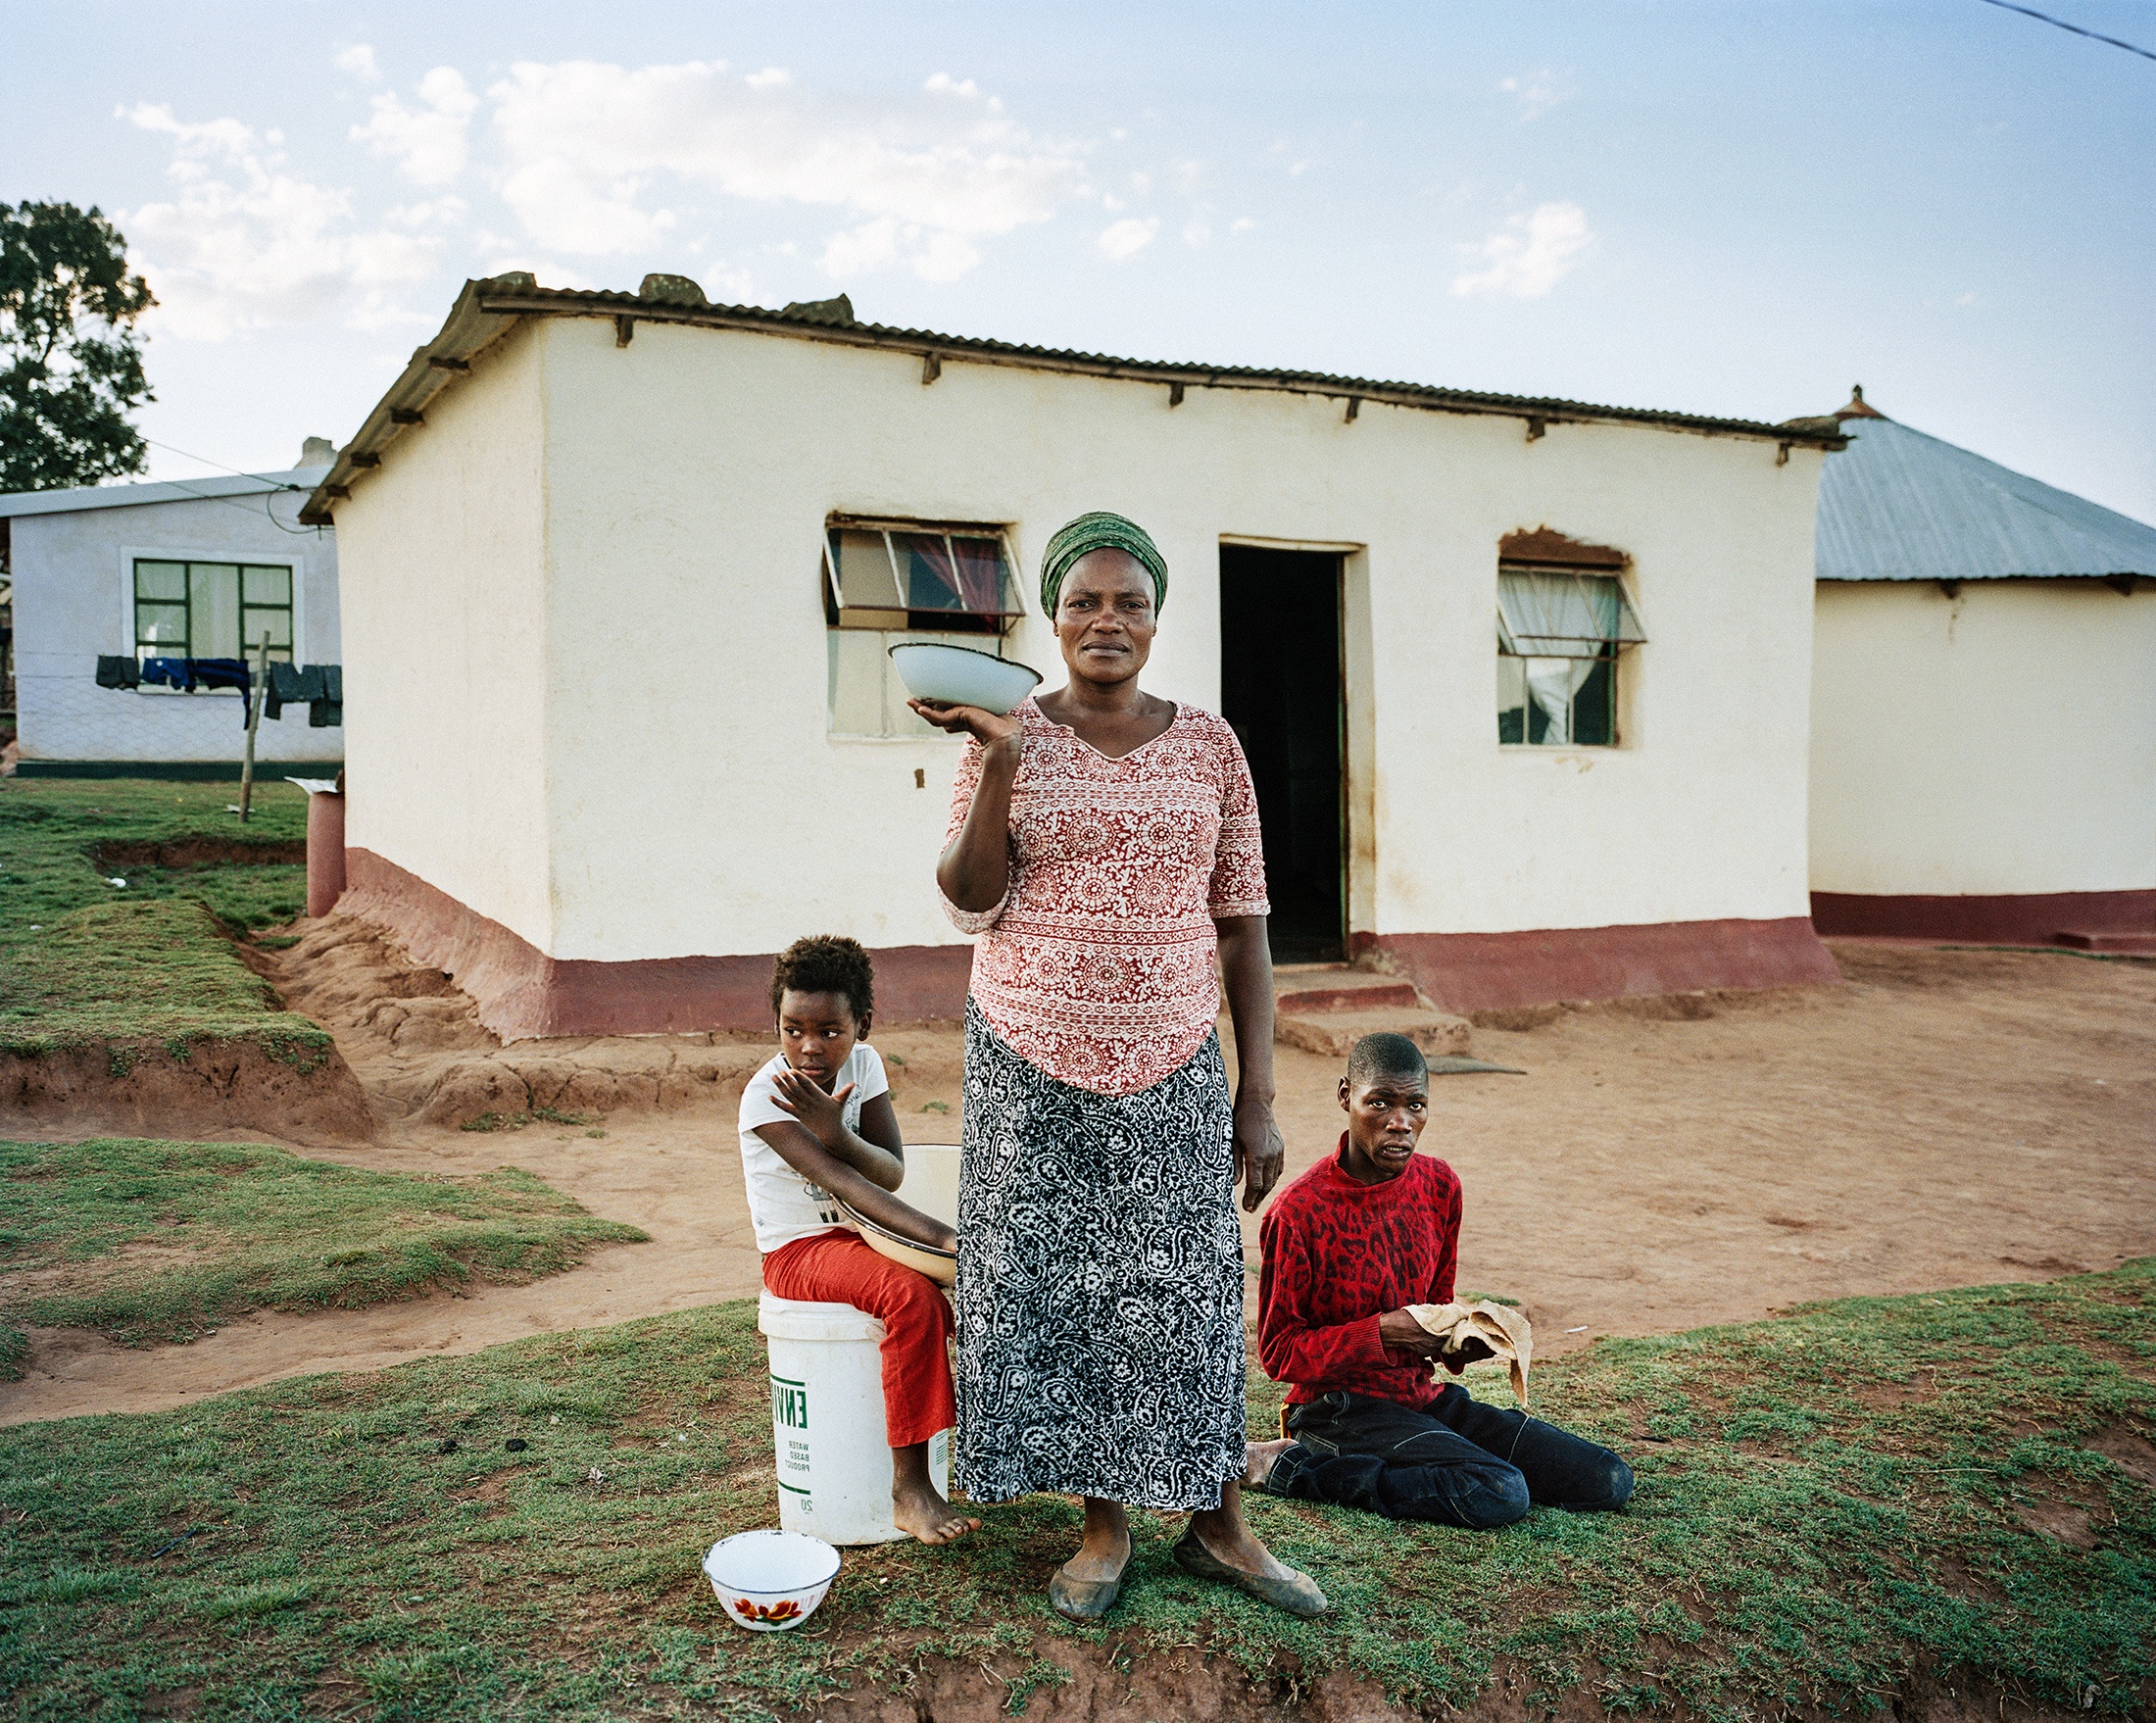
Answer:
x=816 y=1124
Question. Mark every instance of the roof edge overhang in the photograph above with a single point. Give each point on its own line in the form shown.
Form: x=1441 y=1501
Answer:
x=486 y=309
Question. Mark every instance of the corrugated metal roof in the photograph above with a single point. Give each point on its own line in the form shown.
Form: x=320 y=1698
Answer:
x=485 y=311
x=131 y=496
x=1897 y=505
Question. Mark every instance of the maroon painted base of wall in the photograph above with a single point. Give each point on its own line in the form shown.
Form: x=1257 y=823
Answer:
x=1496 y=971
x=2026 y=918
x=521 y=993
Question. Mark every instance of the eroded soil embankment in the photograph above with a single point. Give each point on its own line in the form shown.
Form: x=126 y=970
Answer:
x=1108 y=1682
x=422 y=1053
x=198 y=1086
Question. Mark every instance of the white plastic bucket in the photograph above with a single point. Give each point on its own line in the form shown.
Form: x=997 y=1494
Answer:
x=827 y=1423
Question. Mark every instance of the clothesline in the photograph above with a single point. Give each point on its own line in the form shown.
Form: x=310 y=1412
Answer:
x=318 y=687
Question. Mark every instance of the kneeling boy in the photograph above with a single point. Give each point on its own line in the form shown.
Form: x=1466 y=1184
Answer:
x=1347 y=1247
x=817 y=1119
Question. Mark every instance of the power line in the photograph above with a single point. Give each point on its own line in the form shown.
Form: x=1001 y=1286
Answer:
x=235 y=502
x=2046 y=18
x=266 y=493
x=236 y=471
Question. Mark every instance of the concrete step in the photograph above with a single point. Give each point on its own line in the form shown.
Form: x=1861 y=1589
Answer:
x=2135 y=944
x=1334 y=1033
x=1343 y=990
x=1327 y=1008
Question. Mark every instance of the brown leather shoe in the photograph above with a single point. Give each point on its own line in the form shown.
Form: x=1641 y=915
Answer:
x=1296 y=1593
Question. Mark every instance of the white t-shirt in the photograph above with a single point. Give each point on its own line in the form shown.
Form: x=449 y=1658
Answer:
x=783 y=1205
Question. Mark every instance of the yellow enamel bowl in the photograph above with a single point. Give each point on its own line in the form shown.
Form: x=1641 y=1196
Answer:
x=930 y=1189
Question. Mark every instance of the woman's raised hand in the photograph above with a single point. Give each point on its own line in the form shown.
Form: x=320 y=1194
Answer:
x=984 y=727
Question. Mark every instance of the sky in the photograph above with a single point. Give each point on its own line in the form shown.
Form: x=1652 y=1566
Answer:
x=1735 y=207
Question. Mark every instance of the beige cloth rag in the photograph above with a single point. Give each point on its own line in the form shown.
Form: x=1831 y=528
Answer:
x=1502 y=1329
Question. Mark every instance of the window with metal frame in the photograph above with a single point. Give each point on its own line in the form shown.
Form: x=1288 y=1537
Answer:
x=1561 y=632
x=885 y=581
x=185 y=609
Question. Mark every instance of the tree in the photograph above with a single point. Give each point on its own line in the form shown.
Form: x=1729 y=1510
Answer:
x=71 y=364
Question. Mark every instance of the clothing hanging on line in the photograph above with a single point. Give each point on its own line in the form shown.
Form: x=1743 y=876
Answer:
x=117 y=672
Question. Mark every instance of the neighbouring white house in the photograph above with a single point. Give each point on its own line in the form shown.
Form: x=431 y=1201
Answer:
x=190 y=570
x=1984 y=702
x=1524 y=683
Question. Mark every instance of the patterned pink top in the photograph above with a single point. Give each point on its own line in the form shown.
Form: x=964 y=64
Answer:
x=1098 y=964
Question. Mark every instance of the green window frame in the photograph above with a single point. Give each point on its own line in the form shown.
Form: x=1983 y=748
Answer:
x=196 y=608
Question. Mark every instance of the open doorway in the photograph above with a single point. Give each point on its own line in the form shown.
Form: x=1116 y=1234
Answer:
x=1281 y=690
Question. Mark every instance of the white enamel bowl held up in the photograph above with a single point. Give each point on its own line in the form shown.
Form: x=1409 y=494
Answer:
x=770 y=1580
x=960 y=676
x=930 y=1188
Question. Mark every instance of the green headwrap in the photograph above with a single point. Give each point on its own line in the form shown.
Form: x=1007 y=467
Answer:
x=1099 y=532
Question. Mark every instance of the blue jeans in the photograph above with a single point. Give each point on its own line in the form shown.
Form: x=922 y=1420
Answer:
x=1459 y=1463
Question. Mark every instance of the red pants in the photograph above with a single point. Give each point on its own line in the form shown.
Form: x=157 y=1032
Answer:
x=839 y=1268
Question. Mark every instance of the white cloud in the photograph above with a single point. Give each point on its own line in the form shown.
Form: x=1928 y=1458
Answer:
x=1529 y=256
x=587 y=151
x=1241 y=225
x=244 y=243
x=358 y=60
x=426 y=141
x=1536 y=92
x=1128 y=238
x=769 y=78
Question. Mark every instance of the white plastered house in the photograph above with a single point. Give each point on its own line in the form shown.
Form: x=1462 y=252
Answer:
x=198 y=568
x=1524 y=683
x=1984 y=707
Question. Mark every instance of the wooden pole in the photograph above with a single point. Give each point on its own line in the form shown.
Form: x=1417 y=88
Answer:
x=253 y=724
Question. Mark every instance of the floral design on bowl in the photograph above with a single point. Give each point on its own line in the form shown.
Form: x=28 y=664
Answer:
x=769 y=1581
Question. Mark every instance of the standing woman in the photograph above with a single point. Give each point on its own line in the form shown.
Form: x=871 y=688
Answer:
x=1104 y=844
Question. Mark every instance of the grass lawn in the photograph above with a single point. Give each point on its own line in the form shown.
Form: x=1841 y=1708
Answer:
x=153 y=1241
x=1957 y=1484
x=85 y=960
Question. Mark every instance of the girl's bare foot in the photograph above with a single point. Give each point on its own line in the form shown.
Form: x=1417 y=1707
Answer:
x=917 y=1506
x=1259 y=1458
x=917 y=1510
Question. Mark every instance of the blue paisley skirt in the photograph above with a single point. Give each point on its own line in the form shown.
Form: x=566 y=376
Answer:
x=1100 y=1297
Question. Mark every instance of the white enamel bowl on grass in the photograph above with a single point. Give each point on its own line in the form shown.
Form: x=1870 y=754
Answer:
x=770 y=1580
x=960 y=676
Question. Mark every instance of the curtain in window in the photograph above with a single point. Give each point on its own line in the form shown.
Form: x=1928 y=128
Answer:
x=926 y=554
x=972 y=578
x=980 y=573
x=1549 y=615
x=1551 y=682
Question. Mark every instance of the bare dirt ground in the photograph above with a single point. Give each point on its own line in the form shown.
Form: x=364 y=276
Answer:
x=1949 y=1118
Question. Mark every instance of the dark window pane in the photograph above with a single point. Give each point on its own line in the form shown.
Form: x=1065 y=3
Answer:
x=931 y=576
x=1511 y=698
x=1595 y=707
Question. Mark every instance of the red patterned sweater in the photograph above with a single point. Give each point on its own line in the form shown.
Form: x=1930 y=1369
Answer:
x=1339 y=1254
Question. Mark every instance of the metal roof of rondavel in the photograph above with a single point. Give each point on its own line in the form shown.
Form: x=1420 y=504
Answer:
x=1897 y=505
